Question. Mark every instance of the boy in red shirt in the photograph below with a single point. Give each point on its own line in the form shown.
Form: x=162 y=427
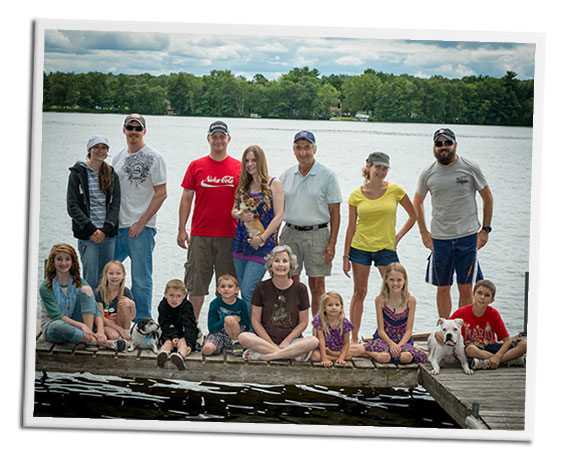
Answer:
x=487 y=341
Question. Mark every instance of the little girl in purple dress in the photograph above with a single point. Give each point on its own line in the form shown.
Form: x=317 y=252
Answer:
x=332 y=330
x=395 y=308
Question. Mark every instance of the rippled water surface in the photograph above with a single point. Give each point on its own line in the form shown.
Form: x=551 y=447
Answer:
x=89 y=396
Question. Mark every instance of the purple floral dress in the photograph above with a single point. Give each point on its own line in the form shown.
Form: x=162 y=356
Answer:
x=395 y=327
x=334 y=338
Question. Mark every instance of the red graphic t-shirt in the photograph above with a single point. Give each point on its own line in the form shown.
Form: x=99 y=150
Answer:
x=481 y=330
x=214 y=183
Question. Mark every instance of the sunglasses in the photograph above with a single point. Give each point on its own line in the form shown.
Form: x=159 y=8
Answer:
x=134 y=128
x=447 y=143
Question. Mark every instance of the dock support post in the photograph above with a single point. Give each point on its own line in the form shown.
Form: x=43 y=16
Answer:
x=526 y=289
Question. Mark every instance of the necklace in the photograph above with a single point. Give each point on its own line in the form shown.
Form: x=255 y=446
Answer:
x=280 y=292
x=391 y=304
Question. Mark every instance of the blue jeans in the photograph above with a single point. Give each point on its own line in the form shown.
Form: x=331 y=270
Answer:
x=249 y=274
x=94 y=256
x=60 y=331
x=140 y=252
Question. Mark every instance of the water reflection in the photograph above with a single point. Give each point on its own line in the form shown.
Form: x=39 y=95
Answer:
x=89 y=396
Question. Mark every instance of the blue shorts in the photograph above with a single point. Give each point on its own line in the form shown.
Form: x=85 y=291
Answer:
x=457 y=255
x=380 y=258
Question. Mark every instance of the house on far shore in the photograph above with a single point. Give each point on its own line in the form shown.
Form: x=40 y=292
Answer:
x=362 y=116
x=169 y=109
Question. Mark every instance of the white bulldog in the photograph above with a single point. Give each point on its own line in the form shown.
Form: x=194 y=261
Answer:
x=453 y=348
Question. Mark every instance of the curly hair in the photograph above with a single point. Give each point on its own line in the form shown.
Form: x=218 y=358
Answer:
x=288 y=250
x=50 y=268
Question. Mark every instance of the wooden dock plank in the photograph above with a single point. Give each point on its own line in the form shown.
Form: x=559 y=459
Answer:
x=360 y=372
x=500 y=393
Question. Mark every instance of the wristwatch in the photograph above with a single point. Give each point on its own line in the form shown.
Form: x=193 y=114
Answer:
x=487 y=229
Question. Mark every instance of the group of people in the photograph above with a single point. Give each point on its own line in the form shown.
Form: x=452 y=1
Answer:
x=237 y=211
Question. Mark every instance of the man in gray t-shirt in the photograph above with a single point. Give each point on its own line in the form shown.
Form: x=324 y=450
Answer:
x=454 y=237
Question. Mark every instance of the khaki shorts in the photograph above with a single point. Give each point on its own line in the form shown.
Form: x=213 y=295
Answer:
x=308 y=246
x=206 y=255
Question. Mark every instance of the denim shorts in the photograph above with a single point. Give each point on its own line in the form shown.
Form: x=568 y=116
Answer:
x=456 y=255
x=380 y=258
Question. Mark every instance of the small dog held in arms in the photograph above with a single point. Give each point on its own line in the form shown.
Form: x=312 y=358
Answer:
x=145 y=335
x=253 y=227
x=452 y=351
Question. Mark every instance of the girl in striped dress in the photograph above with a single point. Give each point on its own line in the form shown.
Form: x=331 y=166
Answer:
x=395 y=308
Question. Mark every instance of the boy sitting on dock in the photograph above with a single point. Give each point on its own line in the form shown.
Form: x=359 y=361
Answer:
x=487 y=341
x=178 y=324
x=227 y=318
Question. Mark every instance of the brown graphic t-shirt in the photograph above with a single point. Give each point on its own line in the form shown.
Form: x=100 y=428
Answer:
x=280 y=307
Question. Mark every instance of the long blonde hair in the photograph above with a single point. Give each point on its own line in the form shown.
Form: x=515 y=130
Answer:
x=262 y=176
x=50 y=269
x=385 y=291
x=104 y=288
x=322 y=310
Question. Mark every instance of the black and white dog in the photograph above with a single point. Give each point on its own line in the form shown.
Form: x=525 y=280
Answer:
x=452 y=351
x=145 y=335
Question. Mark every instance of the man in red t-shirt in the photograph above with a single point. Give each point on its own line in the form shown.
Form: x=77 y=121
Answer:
x=209 y=182
x=485 y=336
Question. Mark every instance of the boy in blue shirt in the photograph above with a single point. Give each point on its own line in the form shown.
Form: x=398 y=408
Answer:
x=227 y=318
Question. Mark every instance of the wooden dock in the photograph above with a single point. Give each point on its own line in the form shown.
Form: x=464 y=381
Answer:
x=499 y=395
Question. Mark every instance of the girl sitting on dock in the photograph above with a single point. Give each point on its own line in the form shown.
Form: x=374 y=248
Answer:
x=279 y=313
x=115 y=301
x=69 y=311
x=395 y=309
x=332 y=329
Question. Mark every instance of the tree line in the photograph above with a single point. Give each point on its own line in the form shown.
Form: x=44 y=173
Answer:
x=301 y=93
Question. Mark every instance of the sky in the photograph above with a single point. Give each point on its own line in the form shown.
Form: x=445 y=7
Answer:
x=164 y=53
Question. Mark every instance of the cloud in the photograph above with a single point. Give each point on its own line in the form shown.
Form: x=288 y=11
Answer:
x=164 y=53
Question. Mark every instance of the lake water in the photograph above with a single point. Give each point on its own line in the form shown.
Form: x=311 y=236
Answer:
x=504 y=154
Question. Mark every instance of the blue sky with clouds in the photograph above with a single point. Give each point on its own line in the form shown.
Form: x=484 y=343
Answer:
x=165 y=53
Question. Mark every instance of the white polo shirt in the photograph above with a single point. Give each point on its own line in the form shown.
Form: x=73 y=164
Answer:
x=306 y=198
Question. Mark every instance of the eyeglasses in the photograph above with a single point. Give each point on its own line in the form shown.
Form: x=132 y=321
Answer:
x=447 y=143
x=134 y=128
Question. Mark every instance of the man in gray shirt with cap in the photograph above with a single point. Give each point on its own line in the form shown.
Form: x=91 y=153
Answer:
x=456 y=234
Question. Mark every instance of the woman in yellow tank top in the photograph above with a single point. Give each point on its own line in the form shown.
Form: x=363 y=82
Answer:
x=371 y=235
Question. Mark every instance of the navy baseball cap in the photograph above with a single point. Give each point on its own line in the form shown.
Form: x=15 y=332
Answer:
x=305 y=135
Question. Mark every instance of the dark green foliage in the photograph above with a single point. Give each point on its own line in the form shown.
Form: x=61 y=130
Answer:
x=301 y=93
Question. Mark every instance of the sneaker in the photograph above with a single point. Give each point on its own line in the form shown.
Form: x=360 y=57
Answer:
x=178 y=360
x=91 y=346
x=519 y=362
x=161 y=358
x=236 y=349
x=120 y=345
x=478 y=364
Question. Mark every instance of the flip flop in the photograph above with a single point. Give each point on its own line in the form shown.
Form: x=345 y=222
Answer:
x=251 y=355
x=304 y=358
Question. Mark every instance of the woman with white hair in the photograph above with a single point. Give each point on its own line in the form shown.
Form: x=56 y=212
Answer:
x=279 y=313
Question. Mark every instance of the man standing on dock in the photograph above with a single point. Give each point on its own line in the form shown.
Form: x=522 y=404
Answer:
x=312 y=214
x=142 y=173
x=210 y=182
x=456 y=234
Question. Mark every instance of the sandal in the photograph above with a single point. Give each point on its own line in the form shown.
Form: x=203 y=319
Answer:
x=178 y=360
x=251 y=355
x=305 y=357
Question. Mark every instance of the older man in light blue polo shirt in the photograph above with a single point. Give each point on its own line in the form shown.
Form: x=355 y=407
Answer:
x=312 y=214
